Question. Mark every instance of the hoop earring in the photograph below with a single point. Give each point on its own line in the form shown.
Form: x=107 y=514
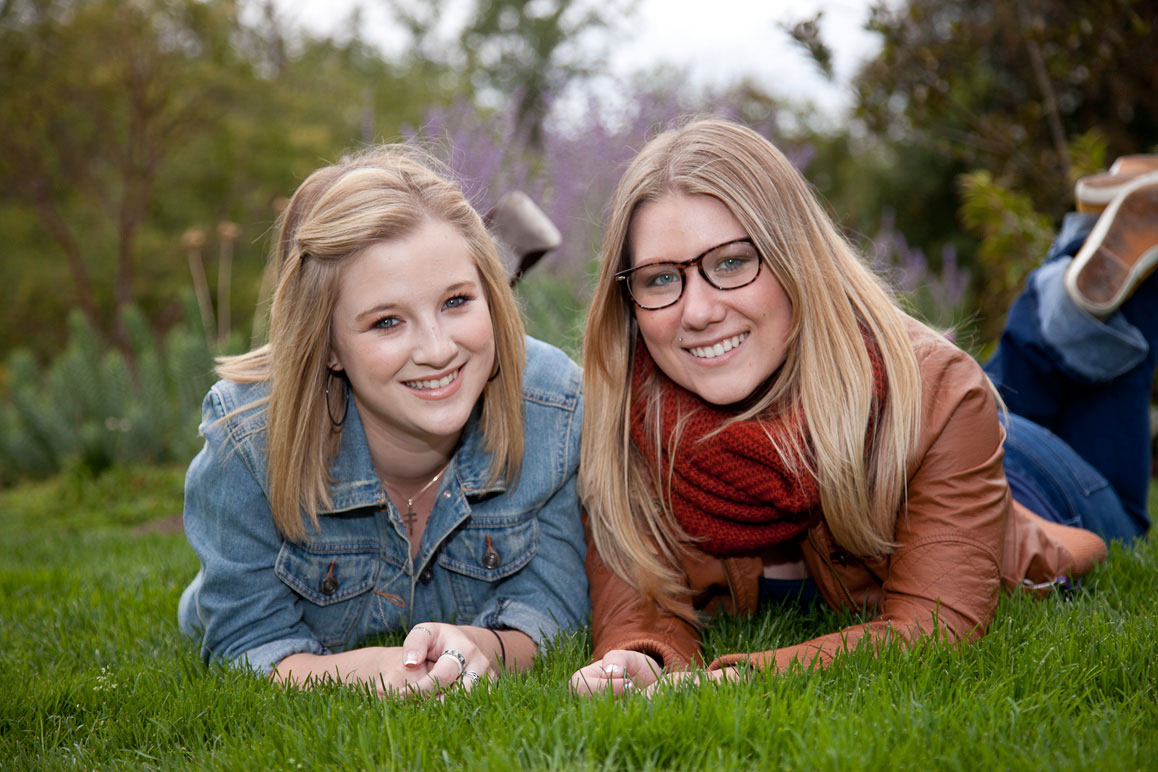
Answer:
x=337 y=422
x=498 y=369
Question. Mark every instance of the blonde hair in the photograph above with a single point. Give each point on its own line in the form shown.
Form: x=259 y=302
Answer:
x=381 y=194
x=827 y=370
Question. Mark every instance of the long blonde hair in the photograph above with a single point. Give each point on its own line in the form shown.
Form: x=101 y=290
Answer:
x=381 y=194
x=827 y=370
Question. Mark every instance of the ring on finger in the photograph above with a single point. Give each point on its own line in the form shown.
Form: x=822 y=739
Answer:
x=473 y=676
x=425 y=630
x=457 y=655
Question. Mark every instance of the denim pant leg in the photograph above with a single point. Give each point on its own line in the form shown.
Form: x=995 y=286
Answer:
x=1049 y=478
x=1090 y=383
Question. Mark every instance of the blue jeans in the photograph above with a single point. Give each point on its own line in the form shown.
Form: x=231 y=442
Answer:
x=1078 y=447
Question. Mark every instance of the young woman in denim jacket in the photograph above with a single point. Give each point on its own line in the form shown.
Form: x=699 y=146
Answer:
x=398 y=457
x=762 y=420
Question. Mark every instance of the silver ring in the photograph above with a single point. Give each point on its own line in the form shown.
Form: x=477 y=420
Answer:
x=457 y=655
x=473 y=676
x=628 y=683
x=425 y=630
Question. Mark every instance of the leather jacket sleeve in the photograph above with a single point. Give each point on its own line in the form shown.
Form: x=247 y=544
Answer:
x=622 y=618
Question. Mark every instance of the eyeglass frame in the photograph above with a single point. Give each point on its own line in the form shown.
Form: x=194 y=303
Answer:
x=682 y=266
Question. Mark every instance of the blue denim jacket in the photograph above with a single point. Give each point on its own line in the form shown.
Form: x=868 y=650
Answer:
x=259 y=598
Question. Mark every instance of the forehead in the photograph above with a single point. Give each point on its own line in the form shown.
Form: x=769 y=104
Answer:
x=679 y=226
x=426 y=261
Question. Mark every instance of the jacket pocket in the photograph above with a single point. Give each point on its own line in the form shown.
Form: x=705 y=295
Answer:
x=484 y=552
x=334 y=579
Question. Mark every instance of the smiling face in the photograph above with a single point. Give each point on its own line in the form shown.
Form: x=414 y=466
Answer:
x=719 y=344
x=412 y=331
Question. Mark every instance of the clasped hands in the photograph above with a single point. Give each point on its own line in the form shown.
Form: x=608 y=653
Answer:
x=433 y=658
x=628 y=672
x=436 y=656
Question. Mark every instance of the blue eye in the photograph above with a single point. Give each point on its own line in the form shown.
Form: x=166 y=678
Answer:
x=458 y=301
x=732 y=264
x=387 y=323
x=661 y=279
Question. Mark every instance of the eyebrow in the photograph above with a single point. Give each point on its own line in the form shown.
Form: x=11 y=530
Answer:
x=670 y=261
x=382 y=308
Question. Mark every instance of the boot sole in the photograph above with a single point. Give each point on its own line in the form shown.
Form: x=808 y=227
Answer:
x=1099 y=263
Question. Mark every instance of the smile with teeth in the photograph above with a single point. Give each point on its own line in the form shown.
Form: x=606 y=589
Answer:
x=719 y=349
x=438 y=383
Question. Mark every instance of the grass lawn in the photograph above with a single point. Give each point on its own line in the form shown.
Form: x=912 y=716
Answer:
x=95 y=675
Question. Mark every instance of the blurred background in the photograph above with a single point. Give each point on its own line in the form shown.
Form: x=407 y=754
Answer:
x=146 y=147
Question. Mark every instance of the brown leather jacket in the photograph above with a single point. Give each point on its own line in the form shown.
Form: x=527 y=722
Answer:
x=961 y=539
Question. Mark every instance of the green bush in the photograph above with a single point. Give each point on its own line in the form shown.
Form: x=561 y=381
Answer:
x=95 y=406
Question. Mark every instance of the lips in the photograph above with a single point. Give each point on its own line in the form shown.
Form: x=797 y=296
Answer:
x=434 y=383
x=718 y=349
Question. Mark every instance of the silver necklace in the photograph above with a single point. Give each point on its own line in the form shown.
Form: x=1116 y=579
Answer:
x=410 y=516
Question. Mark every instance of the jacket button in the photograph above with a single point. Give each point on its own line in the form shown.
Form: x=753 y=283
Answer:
x=426 y=575
x=491 y=559
x=329 y=585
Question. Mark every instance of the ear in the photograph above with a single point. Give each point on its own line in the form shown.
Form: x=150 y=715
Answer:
x=333 y=362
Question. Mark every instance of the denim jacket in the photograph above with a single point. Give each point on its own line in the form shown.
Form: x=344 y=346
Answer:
x=259 y=598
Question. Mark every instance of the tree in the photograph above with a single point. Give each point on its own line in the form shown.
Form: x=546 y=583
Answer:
x=125 y=124
x=1007 y=85
x=526 y=50
x=1034 y=93
x=95 y=96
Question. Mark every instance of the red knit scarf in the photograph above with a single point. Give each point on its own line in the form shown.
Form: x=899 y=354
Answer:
x=733 y=492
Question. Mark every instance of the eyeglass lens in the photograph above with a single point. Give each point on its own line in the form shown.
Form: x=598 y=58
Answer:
x=728 y=266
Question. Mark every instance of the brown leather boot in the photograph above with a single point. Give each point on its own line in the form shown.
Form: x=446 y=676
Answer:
x=1120 y=252
x=1140 y=163
x=1095 y=192
x=523 y=231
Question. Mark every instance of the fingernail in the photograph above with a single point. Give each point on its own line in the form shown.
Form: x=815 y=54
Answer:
x=411 y=658
x=612 y=669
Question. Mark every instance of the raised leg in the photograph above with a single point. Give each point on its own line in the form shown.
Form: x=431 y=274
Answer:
x=1086 y=380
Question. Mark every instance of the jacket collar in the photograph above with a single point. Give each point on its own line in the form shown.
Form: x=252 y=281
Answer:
x=356 y=484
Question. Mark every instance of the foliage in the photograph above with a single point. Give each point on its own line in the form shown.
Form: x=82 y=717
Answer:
x=806 y=33
x=527 y=52
x=1014 y=240
x=128 y=123
x=96 y=676
x=94 y=408
x=531 y=50
x=552 y=311
x=1032 y=95
x=936 y=295
x=1004 y=86
x=98 y=96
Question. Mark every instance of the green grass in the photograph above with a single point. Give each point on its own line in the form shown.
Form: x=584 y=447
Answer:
x=95 y=675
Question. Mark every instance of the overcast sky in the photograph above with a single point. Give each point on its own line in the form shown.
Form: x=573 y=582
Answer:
x=718 y=41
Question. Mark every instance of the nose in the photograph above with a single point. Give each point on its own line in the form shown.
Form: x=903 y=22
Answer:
x=701 y=303
x=435 y=347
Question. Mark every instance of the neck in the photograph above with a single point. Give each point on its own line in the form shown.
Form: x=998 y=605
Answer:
x=405 y=461
x=410 y=482
x=407 y=468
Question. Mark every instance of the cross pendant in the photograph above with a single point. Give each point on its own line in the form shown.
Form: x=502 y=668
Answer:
x=409 y=519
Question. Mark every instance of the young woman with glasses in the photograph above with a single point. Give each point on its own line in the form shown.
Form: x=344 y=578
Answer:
x=762 y=421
